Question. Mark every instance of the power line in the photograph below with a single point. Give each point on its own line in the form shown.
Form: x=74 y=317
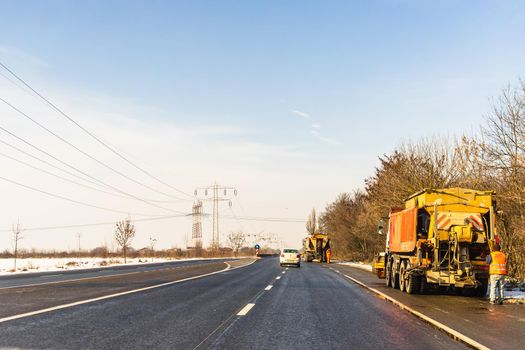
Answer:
x=47 y=228
x=82 y=172
x=67 y=172
x=91 y=134
x=82 y=151
x=69 y=199
x=58 y=176
x=51 y=164
x=236 y=218
x=269 y=219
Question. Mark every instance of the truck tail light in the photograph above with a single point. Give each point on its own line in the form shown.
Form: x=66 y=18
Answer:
x=282 y=255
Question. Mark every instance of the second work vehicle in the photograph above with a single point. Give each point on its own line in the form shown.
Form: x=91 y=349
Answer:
x=440 y=239
x=290 y=257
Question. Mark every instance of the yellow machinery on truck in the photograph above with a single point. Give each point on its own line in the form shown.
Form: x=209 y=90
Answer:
x=440 y=239
x=315 y=247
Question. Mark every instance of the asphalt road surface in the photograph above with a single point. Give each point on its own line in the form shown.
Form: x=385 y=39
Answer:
x=246 y=306
x=494 y=326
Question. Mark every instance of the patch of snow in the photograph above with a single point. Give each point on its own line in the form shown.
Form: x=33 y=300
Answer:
x=359 y=265
x=61 y=264
x=514 y=295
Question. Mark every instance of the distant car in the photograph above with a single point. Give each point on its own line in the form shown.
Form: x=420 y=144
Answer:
x=290 y=257
x=522 y=287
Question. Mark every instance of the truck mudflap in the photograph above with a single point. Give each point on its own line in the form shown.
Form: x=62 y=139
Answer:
x=378 y=267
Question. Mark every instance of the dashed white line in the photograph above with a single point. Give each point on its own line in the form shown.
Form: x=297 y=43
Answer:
x=70 y=280
x=268 y=287
x=278 y=277
x=245 y=309
x=443 y=311
x=283 y=272
x=55 y=275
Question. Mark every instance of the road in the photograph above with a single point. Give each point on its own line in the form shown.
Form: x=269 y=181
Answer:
x=310 y=307
x=495 y=326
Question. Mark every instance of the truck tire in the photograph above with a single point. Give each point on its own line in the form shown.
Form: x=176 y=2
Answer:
x=402 y=281
x=422 y=284
x=395 y=276
x=413 y=284
x=388 y=273
x=481 y=291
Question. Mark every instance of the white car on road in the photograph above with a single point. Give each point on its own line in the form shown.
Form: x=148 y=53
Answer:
x=290 y=256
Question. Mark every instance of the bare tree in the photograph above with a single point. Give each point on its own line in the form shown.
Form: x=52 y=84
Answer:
x=236 y=240
x=124 y=233
x=17 y=235
x=311 y=224
x=505 y=149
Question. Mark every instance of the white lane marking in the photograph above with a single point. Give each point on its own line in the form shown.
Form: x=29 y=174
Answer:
x=71 y=280
x=283 y=272
x=455 y=334
x=59 y=274
x=268 y=287
x=286 y=269
x=278 y=277
x=95 y=277
x=443 y=311
x=245 y=309
x=81 y=302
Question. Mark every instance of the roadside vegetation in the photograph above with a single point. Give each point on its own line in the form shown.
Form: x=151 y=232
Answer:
x=493 y=158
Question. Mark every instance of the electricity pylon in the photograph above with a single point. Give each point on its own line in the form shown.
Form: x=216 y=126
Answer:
x=196 y=230
x=216 y=197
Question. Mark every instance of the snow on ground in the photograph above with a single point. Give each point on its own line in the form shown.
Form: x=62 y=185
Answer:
x=359 y=265
x=514 y=296
x=60 y=264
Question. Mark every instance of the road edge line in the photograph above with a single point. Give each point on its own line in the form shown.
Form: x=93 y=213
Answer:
x=451 y=332
x=115 y=295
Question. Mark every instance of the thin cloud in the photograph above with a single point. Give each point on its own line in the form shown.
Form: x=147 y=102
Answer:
x=301 y=114
x=328 y=140
x=316 y=126
x=17 y=55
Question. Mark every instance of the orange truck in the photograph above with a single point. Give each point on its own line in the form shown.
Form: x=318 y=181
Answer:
x=440 y=240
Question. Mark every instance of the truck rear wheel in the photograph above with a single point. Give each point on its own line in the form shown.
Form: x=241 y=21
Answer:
x=402 y=281
x=422 y=284
x=481 y=291
x=395 y=275
x=413 y=284
x=388 y=273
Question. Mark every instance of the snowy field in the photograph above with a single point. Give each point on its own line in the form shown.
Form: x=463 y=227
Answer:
x=59 y=264
x=514 y=296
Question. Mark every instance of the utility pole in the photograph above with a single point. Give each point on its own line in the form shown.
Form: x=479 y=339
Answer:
x=79 y=251
x=196 y=229
x=17 y=231
x=152 y=241
x=218 y=194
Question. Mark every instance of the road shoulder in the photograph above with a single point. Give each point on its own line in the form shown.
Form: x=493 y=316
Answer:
x=493 y=326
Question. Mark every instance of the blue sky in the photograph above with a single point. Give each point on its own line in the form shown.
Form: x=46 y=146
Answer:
x=336 y=82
